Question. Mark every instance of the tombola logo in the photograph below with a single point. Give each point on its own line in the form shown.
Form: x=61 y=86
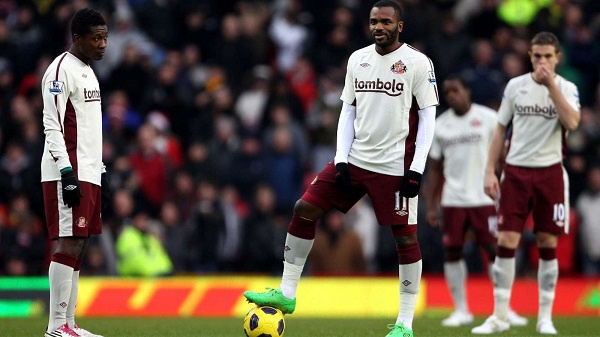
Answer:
x=391 y=88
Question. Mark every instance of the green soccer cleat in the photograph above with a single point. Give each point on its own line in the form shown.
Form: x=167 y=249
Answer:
x=399 y=330
x=272 y=298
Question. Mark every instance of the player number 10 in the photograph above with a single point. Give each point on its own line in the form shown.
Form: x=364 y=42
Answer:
x=559 y=212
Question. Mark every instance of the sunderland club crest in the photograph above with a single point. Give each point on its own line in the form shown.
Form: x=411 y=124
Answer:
x=398 y=67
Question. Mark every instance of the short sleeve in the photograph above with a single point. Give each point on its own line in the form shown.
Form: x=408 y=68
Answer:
x=425 y=86
x=348 y=94
x=435 y=152
x=505 y=113
x=571 y=94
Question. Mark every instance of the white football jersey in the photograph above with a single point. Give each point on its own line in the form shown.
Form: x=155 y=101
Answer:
x=72 y=120
x=388 y=91
x=537 y=137
x=462 y=143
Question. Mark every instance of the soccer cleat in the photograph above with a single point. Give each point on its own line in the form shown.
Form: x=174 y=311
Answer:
x=83 y=332
x=491 y=325
x=272 y=298
x=62 y=331
x=399 y=330
x=545 y=327
x=458 y=318
x=515 y=319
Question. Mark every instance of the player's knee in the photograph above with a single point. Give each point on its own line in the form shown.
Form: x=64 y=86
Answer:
x=490 y=250
x=404 y=240
x=307 y=210
x=453 y=254
x=509 y=239
x=408 y=253
x=546 y=240
x=72 y=246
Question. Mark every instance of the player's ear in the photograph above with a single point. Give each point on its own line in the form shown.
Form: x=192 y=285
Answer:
x=400 y=25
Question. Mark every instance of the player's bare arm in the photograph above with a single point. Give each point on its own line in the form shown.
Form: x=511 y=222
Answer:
x=568 y=116
x=432 y=191
x=491 y=185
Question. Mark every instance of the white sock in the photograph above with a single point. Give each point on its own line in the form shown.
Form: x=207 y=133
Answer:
x=61 y=279
x=503 y=276
x=547 y=278
x=295 y=254
x=456 y=275
x=290 y=279
x=73 y=299
x=410 y=281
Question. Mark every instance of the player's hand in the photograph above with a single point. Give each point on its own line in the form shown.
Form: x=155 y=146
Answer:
x=342 y=176
x=70 y=188
x=491 y=186
x=433 y=217
x=411 y=184
x=544 y=76
x=105 y=191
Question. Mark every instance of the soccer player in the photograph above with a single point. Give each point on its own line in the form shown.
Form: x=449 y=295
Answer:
x=74 y=181
x=384 y=134
x=457 y=162
x=542 y=107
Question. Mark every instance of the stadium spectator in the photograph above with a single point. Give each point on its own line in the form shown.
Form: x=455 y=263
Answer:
x=140 y=251
x=199 y=164
x=150 y=168
x=588 y=207
x=182 y=194
x=263 y=233
x=382 y=144
x=124 y=33
x=224 y=146
x=251 y=160
x=448 y=48
x=209 y=228
x=363 y=222
x=176 y=237
x=288 y=33
x=337 y=249
x=21 y=240
x=16 y=171
x=483 y=76
x=284 y=167
x=167 y=143
x=233 y=53
x=456 y=168
x=233 y=211
x=130 y=75
x=28 y=37
x=541 y=106
x=251 y=103
x=321 y=120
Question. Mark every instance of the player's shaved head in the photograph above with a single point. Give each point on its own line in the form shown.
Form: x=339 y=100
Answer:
x=84 y=19
x=391 y=3
x=458 y=78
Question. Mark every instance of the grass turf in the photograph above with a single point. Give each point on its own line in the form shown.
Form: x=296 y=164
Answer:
x=296 y=327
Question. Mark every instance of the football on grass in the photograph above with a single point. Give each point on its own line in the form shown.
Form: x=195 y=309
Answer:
x=264 y=322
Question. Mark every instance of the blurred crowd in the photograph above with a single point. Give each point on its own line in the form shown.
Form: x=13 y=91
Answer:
x=217 y=114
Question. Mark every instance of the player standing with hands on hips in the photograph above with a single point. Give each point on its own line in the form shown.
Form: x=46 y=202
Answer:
x=74 y=180
x=456 y=168
x=384 y=134
x=542 y=107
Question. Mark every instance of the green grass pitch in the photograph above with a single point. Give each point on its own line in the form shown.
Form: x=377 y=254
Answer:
x=427 y=326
